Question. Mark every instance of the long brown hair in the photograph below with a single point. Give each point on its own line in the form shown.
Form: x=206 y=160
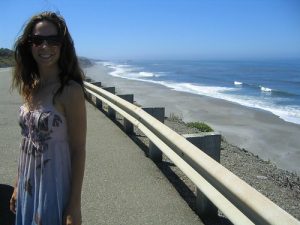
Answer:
x=26 y=74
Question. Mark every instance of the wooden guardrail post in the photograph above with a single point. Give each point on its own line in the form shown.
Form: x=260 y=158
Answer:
x=89 y=97
x=110 y=111
x=98 y=102
x=128 y=126
x=110 y=89
x=159 y=113
x=97 y=83
x=210 y=143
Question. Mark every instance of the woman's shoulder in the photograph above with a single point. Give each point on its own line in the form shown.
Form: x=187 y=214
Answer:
x=73 y=99
x=72 y=91
x=73 y=84
x=73 y=87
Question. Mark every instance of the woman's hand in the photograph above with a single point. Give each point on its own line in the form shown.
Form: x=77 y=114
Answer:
x=13 y=201
x=72 y=216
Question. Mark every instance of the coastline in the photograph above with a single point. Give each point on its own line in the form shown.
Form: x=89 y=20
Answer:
x=282 y=187
x=260 y=132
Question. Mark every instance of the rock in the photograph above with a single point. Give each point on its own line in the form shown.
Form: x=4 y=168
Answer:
x=262 y=177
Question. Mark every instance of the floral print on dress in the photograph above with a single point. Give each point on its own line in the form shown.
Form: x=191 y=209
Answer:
x=56 y=121
x=43 y=165
x=38 y=129
x=28 y=187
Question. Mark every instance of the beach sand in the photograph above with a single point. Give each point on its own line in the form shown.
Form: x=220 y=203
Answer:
x=257 y=131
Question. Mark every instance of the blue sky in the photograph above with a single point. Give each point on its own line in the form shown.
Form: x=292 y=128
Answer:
x=168 y=29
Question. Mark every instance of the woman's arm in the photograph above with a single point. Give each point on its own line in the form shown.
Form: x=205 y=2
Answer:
x=14 y=196
x=75 y=112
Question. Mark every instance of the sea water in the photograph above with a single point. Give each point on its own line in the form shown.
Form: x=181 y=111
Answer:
x=273 y=86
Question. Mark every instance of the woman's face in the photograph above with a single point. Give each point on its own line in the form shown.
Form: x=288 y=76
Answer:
x=45 y=50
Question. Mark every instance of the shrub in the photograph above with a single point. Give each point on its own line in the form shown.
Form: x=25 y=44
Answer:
x=200 y=126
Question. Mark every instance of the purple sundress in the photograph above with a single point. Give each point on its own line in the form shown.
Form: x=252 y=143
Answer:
x=44 y=167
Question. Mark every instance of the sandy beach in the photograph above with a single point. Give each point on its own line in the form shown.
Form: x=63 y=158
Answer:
x=257 y=131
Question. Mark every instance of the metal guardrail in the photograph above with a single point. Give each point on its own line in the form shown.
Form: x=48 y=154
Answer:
x=241 y=203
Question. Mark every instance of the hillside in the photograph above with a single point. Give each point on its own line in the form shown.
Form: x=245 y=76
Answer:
x=6 y=57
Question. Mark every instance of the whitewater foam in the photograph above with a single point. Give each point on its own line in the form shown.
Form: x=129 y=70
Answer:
x=237 y=83
x=265 y=89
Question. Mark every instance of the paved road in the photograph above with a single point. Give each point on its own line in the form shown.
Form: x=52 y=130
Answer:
x=121 y=185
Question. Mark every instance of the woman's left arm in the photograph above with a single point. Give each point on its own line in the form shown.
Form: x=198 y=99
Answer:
x=75 y=111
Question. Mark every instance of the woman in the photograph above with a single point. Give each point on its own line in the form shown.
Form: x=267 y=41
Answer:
x=53 y=124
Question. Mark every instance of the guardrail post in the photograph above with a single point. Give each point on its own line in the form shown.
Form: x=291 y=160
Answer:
x=98 y=102
x=159 y=113
x=110 y=111
x=110 y=89
x=210 y=143
x=128 y=126
x=98 y=84
x=89 y=97
x=127 y=97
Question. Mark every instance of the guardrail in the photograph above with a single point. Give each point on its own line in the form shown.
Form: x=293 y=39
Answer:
x=241 y=203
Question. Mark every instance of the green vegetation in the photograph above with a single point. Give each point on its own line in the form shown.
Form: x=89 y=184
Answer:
x=6 y=57
x=200 y=126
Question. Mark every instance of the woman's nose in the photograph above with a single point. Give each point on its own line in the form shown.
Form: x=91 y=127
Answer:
x=44 y=44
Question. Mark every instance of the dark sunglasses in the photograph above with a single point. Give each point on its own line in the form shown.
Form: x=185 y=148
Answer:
x=52 y=40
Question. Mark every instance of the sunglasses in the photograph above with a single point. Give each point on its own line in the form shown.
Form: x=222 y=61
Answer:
x=51 y=40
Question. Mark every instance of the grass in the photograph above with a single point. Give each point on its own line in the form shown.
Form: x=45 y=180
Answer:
x=203 y=127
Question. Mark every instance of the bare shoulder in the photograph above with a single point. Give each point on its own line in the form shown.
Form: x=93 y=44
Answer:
x=72 y=97
x=73 y=87
x=72 y=90
x=75 y=112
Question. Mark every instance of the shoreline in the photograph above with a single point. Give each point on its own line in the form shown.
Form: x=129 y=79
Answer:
x=282 y=187
x=259 y=132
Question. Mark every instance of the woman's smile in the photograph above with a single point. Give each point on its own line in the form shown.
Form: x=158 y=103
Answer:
x=45 y=56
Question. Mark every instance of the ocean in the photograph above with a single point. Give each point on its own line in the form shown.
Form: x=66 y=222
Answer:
x=273 y=86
